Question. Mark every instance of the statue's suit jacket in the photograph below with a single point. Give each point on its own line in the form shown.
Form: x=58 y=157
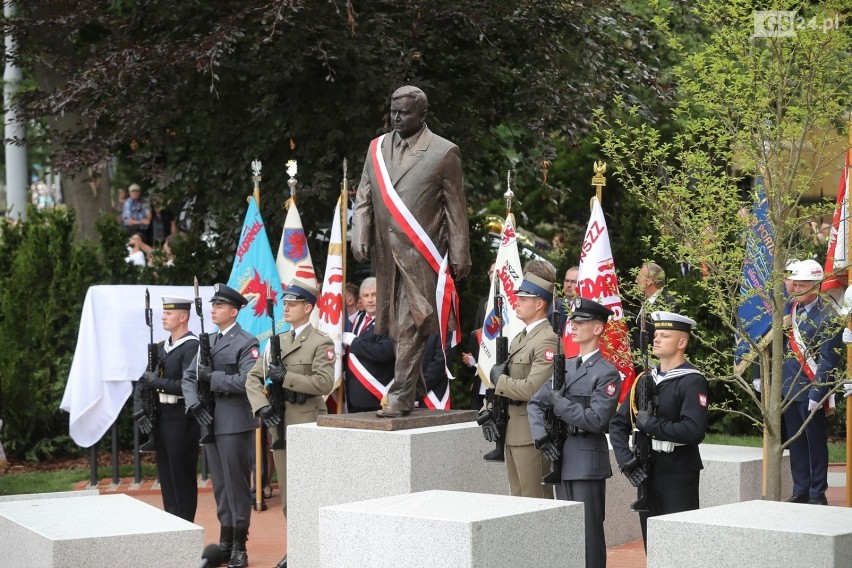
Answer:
x=430 y=183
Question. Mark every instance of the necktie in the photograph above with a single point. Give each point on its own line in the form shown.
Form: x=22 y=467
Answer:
x=364 y=324
x=579 y=362
x=218 y=337
x=292 y=335
x=523 y=334
x=399 y=153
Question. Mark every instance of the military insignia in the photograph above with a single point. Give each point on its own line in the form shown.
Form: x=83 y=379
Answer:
x=216 y=287
x=548 y=355
x=610 y=389
x=702 y=400
x=254 y=352
x=576 y=303
x=329 y=354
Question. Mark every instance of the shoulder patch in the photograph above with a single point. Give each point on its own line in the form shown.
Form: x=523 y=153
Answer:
x=548 y=354
x=254 y=352
x=329 y=354
x=610 y=389
x=702 y=399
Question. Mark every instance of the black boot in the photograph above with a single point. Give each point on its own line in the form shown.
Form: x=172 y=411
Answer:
x=239 y=558
x=226 y=541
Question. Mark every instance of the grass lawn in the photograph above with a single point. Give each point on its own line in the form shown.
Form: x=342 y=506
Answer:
x=836 y=450
x=61 y=480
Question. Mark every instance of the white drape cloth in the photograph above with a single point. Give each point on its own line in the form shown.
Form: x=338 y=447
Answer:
x=111 y=352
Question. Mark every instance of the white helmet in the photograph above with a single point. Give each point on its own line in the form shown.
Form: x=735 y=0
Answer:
x=808 y=270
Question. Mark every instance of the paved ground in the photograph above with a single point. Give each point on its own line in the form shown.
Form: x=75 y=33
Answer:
x=267 y=540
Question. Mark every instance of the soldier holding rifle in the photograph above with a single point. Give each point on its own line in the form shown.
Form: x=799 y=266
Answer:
x=585 y=402
x=174 y=433
x=675 y=420
x=233 y=352
x=302 y=374
x=530 y=364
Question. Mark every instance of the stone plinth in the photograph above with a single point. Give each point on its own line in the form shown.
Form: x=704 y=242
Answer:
x=757 y=534
x=450 y=529
x=56 y=495
x=109 y=531
x=731 y=474
x=333 y=466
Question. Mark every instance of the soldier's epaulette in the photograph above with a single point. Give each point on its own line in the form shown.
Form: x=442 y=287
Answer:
x=321 y=332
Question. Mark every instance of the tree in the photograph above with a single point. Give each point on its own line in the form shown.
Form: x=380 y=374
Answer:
x=191 y=92
x=749 y=104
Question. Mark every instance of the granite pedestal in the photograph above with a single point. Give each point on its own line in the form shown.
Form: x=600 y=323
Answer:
x=332 y=466
x=757 y=534
x=109 y=531
x=731 y=474
x=451 y=529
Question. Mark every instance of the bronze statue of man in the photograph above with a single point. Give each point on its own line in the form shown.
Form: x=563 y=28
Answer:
x=411 y=207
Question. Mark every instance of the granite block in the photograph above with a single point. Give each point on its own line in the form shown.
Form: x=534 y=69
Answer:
x=331 y=466
x=55 y=495
x=114 y=531
x=757 y=534
x=445 y=528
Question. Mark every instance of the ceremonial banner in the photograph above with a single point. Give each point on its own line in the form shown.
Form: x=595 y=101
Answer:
x=253 y=274
x=508 y=271
x=598 y=281
x=755 y=310
x=294 y=257
x=838 y=244
x=330 y=307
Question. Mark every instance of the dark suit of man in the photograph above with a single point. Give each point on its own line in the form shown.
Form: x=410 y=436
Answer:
x=820 y=335
x=435 y=373
x=427 y=175
x=229 y=458
x=309 y=360
x=376 y=355
x=177 y=432
x=591 y=397
x=530 y=365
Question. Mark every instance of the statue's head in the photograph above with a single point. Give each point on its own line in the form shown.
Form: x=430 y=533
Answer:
x=408 y=110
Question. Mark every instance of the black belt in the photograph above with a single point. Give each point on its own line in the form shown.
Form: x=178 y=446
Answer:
x=574 y=430
x=221 y=394
x=517 y=402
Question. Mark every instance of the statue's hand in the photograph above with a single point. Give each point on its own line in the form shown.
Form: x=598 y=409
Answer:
x=361 y=252
x=460 y=271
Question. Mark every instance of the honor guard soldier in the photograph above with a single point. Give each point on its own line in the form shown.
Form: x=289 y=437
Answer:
x=676 y=423
x=530 y=364
x=585 y=403
x=176 y=432
x=234 y=352
x=304 y=376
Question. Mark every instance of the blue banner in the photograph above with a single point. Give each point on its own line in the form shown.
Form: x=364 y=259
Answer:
x=755 y=310
x=253 y=274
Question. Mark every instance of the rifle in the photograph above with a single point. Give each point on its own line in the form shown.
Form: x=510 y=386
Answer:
x=555 y=428
x=205 y=397
x=273 y=391
x=150 y=398
x=643 y=397
x=497 y=407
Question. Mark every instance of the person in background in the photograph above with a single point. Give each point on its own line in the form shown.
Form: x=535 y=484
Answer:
x=136 y=213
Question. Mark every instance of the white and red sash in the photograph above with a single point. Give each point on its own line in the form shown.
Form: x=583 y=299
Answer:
x=809 y=366
x=446 y=297
x=434 y=403
x=367 y=380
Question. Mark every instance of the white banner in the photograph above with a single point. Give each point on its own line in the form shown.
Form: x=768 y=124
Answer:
x=330 y=307
x=509 y=272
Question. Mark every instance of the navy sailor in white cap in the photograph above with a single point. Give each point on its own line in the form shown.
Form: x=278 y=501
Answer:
x=676 y=425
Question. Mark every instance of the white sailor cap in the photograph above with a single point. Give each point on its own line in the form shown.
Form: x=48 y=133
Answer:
x=175 y=303
x=846 y=306
x=670 y=320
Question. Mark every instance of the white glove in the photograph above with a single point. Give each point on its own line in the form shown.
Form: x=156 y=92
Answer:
x=756 y=383
x=847 y=335
x=469 y=359
x=812 y=404
x=347 y=338
x=848 y=388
